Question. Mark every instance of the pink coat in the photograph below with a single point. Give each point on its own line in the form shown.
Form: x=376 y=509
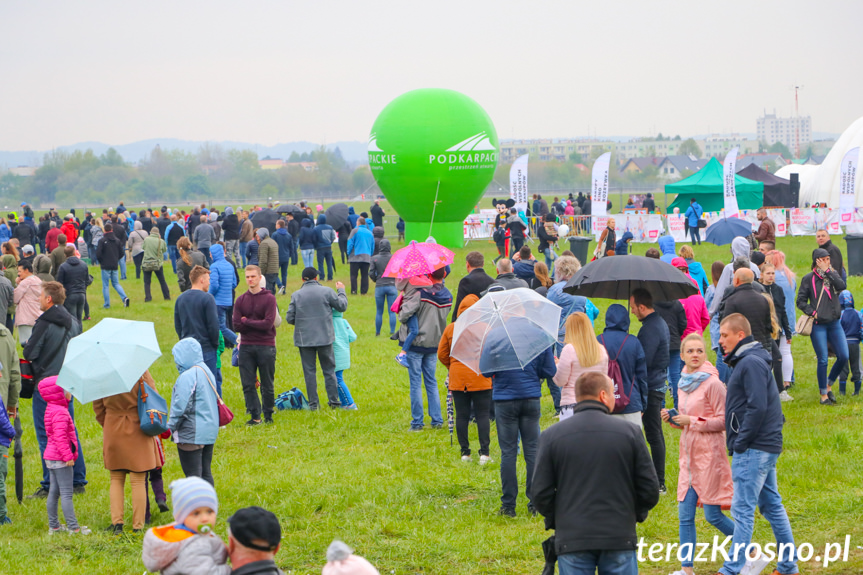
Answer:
x=703 y=456
x=59 y=427
x=697 y=318
x=569 y=369
x=26 y=297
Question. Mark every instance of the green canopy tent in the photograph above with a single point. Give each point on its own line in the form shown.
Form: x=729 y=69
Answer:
x=706 y=186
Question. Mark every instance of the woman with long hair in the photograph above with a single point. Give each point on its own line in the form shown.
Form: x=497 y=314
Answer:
x=777 y=306
x=705 y=474
x=775 y=334
x=189 y=258
x=819 y=298
x=787 y=280
x=716 y=272
x=97 y=232
x=540 y=271
x=581 y=353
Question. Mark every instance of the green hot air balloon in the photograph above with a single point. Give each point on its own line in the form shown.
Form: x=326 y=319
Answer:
x=433 y=152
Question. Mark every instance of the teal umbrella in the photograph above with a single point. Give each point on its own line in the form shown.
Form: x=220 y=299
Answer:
x=108 y=358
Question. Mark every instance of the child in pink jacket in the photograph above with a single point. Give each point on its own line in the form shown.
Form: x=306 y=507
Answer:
x=60 y=455
x=697 y=318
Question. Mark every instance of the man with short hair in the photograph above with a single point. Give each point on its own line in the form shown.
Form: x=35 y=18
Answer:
x=268 y=259
x=475 y=282
x=767 y=230
x=654 y=339
x=46 y=350
x=649 y=204
x=73 y=275
x=744 y=300
x=753 y=434
x=285 y=243
x=109 y=252
x=824 y=242
x=204 y=236
x=311 y=314
x=196 y=316
x=516 y=228
x=173 y=232
x=254 y=536
x=254 y=316
x=739 y=249
x=52 y=236
x=692 y=215
x=505 y=277
x=766 y=247
x=58 y=255
x=26 y=297
x=325 y=235
x=377 y=214
x=522 y=265
x=593 y=481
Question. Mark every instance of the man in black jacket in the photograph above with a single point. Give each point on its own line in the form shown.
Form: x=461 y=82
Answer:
x=674 y=315
x=174 y=232
x=46 y=350
x=196 y=316
x=654 y=338
x=744 y=300
x=593 y=481
x=825 y=243
x=753 y=433
x=74 y=276
x=108 y=253
x=231 y=227
x=475 y=282
x=377 y=214
x=294 y=230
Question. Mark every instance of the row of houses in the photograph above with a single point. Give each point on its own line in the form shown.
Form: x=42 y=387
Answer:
x=673 y=167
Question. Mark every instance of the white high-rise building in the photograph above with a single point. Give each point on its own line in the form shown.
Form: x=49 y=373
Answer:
x=772 y=129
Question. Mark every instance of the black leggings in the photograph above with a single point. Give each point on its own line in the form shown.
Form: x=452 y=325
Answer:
x=777 y=366
x=197 y=463
x=361 y=269
x=653 y=432
x=481 y=401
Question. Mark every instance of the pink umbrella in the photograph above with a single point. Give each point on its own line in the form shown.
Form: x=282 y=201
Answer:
x=418 y=259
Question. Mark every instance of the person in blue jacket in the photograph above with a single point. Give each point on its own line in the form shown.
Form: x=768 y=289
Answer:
x=223 y=280
x=325 y=235
x=352 y=217
x=621 y=248
x=693 y=214
x=516 y=394
x=194 y=414
x=285 y=242
x=852 y=326
x=361 y=245
x=307 y=243
x=629 y=353
x=666 y=248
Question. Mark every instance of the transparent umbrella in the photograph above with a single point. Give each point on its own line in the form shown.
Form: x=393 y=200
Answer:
x=505 y=330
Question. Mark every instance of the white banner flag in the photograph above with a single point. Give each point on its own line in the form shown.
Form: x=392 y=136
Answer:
x=518 y=183
x=599 y=193
x=848 y=184
x=729 y=173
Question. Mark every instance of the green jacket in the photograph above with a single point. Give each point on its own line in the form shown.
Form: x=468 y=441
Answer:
x=10 y=381
x=10 y=270
x=154 y=251
x=268 y=257
x=345 y=336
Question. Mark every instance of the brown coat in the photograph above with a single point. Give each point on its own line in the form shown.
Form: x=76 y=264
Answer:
x=247 y=230
x=268 y=256
x=461 y=377
x=124 y=445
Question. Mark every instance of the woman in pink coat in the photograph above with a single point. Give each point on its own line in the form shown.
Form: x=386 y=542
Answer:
x=705 y=474
x=582 y=353
x=697 y=318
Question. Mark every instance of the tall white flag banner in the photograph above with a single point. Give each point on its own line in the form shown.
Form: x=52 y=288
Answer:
x=729 y=173
x=848 y=184
x=518 y=183
x=599 y=191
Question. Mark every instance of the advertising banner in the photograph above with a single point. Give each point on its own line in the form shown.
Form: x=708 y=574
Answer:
x=729 y=171
x=677 y=227
x=599 y=190
x=518 y=183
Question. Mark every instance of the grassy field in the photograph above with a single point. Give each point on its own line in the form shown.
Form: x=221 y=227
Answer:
x=405 y=500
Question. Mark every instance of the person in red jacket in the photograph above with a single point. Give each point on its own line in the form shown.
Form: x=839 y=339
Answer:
x=70 y=229
x=51 y=241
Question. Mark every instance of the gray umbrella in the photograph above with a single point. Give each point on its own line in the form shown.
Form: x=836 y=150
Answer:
x=614 y=277
x=265 y=219
x=337 y=215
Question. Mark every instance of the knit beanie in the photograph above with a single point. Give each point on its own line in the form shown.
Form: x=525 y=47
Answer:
x=191 y=493
x=263 y=233
x=341 y=561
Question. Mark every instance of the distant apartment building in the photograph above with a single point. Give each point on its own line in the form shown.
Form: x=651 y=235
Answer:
x=772 y=129
x=24 y=171
x=271 y=163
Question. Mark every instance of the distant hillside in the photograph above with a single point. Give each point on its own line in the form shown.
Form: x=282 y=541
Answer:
x=352 y=152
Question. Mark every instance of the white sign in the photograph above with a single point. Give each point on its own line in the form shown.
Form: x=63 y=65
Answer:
x=848 y=185
x=518 y=183
x=599 y=191
x=729 y=173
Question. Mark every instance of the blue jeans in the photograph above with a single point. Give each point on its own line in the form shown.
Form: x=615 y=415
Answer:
x=832 y=332
x=210 y=360
x=308 y=258
x=421 y=370
x=608 y=563
x=720 y=366
x=686 y=514
x=325 y=255
x=80 y=468
x=550 y=256
x=283 y=270
x=230 y=337
x=122 y=264
x=754 y=476
x=296 y=251
x=514 y=418
x=243 y=252
x=695 y=233
x=174 y=253
x=344 y=393
x=385 y=297
x=675 y=364
x=413 y=325
x=111 y=278
x=555 y=394
x=206 y=252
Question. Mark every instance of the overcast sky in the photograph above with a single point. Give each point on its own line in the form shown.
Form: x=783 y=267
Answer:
x=277 y=71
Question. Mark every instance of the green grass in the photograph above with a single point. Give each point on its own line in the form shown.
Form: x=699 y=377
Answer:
x=405 y=500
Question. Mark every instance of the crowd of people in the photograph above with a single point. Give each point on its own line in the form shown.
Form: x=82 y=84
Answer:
x=732 y=407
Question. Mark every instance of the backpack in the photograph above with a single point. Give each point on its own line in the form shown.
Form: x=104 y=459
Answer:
x=293 y=399
x=621 y=401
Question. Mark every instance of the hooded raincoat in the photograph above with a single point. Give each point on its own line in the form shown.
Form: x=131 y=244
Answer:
x=194 y=416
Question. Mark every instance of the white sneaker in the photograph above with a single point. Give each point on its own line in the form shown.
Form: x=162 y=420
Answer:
x=680 y=572
x=483 y=459
x=61 y=529
x=785 y=396
x=466 y=458
x=754 y=566
x=82 y=530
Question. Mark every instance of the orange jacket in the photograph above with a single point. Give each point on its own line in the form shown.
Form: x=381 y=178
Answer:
x=461 y=377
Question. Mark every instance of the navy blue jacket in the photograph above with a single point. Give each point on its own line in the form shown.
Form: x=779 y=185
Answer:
x=633 y=367
x=195 y=316
x=524 y=270
x=753 y=414
x=252 y=253
x=286 y=245
x=850 y=319
x=523 y=383
x=654 y=339
x=621 y=248
x=324 y=234
x=307 y=235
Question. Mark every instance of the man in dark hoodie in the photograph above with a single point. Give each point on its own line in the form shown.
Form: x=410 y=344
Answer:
x=753 y=434
x=325 y=235
x=74 y=276
x=630 y=358
x=377 y=214
x=378 y=234
x=654 y=339
x=231 y=227
x=285 y=242
x=46 y=350
x=294 y=229
x=853 y=328
x=108 y=252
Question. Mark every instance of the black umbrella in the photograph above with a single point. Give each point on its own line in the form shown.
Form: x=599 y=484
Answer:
x=265 y=219
x=337 y=215
x=614 y=277
x=19 y=461
x=550 y=556
x=296 y=211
